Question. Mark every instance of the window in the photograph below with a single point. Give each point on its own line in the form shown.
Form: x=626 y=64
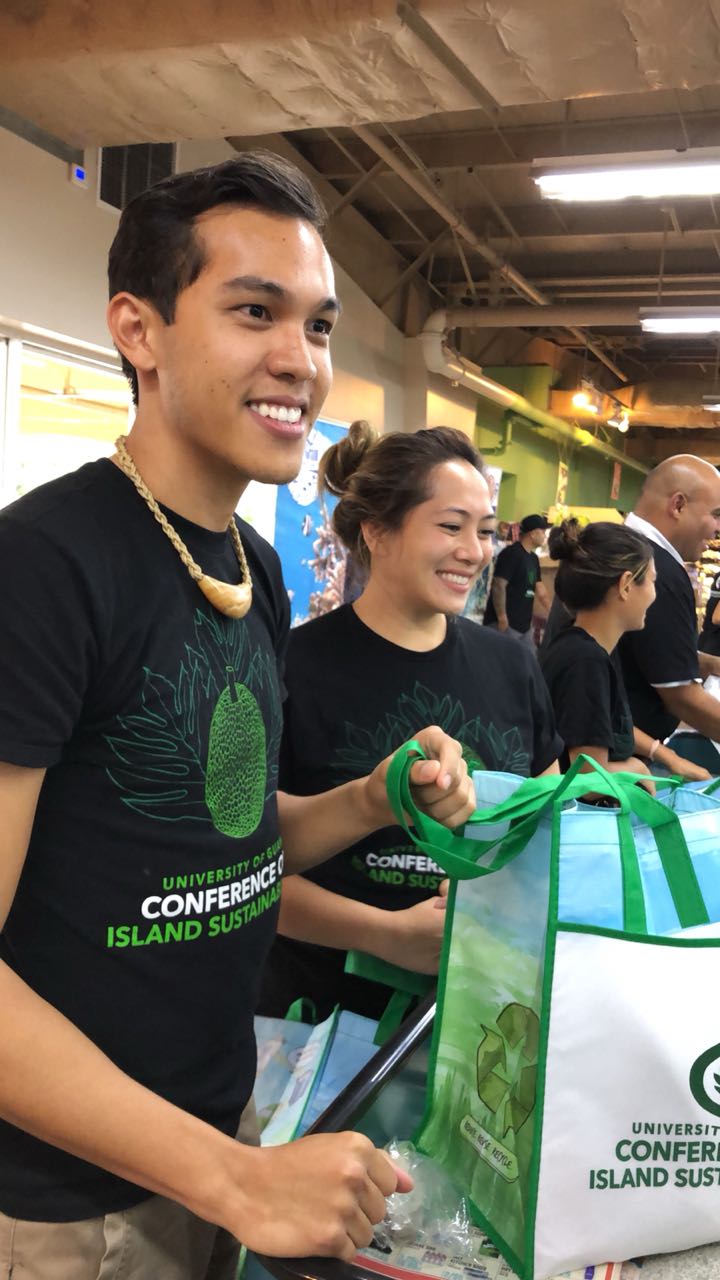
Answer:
x=127 y=171
x=69 y=412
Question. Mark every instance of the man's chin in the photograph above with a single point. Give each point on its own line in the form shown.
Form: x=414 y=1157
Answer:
x=276 y=474
x=278 y=466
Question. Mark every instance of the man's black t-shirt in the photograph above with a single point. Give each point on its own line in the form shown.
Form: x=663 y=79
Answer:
x=588 y=696
x=521 y=571
x=709 y=641
x=149 y=895
x=352 y=699
x=665 y=651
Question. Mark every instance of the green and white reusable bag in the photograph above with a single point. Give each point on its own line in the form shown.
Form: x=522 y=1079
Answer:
x=574 y=1089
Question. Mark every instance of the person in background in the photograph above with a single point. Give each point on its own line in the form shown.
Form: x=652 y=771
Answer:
x=415 y=509
x=517 y=582
x=606 y=582
x=709 y=641
x=143 y=836
x=678 y=510
x=502 y=536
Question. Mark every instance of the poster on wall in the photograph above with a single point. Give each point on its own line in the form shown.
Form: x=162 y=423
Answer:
x=616 y=478
x=493 y=475
x=562 y=484
x=313 y=559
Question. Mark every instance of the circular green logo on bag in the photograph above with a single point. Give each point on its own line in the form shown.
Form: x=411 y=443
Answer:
x=705 y=1080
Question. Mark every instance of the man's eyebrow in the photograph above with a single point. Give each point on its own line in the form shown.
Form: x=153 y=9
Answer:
x=259 y=285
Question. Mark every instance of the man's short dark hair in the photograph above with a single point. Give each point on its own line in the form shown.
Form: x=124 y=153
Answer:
x=156 y=253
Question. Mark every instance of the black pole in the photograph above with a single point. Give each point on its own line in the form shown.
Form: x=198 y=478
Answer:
x=357 y=1096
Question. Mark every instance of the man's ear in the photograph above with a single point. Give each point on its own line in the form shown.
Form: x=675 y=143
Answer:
x=134 y=325
x=676 y=505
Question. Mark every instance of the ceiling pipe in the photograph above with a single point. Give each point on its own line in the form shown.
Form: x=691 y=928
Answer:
x=550 y=317
x=514 y=278
x=441 y=359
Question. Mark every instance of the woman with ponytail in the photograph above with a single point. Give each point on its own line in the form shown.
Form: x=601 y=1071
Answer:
x=606 y=582
x=414 y=510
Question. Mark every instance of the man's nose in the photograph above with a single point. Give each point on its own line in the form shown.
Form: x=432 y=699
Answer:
x=291 y=356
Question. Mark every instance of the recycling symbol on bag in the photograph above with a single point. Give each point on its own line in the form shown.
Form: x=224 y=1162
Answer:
x=507 y=1066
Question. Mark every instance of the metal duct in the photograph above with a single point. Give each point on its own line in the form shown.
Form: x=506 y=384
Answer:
x=441 y=359
x=418 y=183
x=561 y=317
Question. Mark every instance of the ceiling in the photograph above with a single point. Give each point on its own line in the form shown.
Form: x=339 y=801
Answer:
x=419 y=122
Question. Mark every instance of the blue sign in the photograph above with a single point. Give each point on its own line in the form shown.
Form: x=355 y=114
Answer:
x=312 y=557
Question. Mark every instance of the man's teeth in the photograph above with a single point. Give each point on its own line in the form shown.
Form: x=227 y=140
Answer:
x=280 y=412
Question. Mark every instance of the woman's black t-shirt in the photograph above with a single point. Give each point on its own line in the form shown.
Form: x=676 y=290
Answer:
x=353 y=698
x=588 y=695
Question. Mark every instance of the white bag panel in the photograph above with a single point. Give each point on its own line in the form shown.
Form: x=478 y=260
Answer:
x=628 y=1021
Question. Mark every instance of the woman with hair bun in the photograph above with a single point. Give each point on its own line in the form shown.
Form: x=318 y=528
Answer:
x=414 y=511
x=606 y=582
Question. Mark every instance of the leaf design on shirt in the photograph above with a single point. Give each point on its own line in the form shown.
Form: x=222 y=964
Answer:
x=161 y=750
x=484 y=746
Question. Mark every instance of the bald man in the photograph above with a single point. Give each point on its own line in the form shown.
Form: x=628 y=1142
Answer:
x=679 y=511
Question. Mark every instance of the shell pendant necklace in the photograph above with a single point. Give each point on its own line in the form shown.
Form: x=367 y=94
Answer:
x=233 y=601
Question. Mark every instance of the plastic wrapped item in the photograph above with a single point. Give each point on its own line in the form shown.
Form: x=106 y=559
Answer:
x=433 y=1214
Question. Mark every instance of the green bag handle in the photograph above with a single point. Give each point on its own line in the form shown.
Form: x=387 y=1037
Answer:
x=302 y=1010
x=711 y=788
x=459 y=856
x=405 y=984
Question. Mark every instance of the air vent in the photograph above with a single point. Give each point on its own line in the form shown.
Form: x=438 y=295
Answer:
x=127 y=171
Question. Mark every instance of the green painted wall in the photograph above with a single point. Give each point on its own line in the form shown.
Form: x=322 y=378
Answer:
x=532 y=460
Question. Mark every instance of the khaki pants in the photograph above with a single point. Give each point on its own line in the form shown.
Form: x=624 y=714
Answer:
x=156 y=1240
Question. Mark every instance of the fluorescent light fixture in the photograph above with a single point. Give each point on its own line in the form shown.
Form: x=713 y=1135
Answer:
x=712 y=403
x=680 y=320
x=649 y=175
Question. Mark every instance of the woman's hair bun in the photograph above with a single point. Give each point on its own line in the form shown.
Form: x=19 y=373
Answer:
x=563 y=540
x=342 y=460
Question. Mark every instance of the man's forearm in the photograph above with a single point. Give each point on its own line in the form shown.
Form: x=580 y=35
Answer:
x=313 y=828
x=319 y=1195
x=694 y=705
x=499 y=598
x=58 y=1086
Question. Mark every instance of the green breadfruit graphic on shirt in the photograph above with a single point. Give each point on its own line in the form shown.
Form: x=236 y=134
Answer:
x=236 y=763
x=484 y=746
x=161 y=750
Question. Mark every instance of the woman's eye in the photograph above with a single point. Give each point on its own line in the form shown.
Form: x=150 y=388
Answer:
x=322 y=327
x=452 y=528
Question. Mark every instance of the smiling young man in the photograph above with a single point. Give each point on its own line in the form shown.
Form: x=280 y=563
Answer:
x=143 y=835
